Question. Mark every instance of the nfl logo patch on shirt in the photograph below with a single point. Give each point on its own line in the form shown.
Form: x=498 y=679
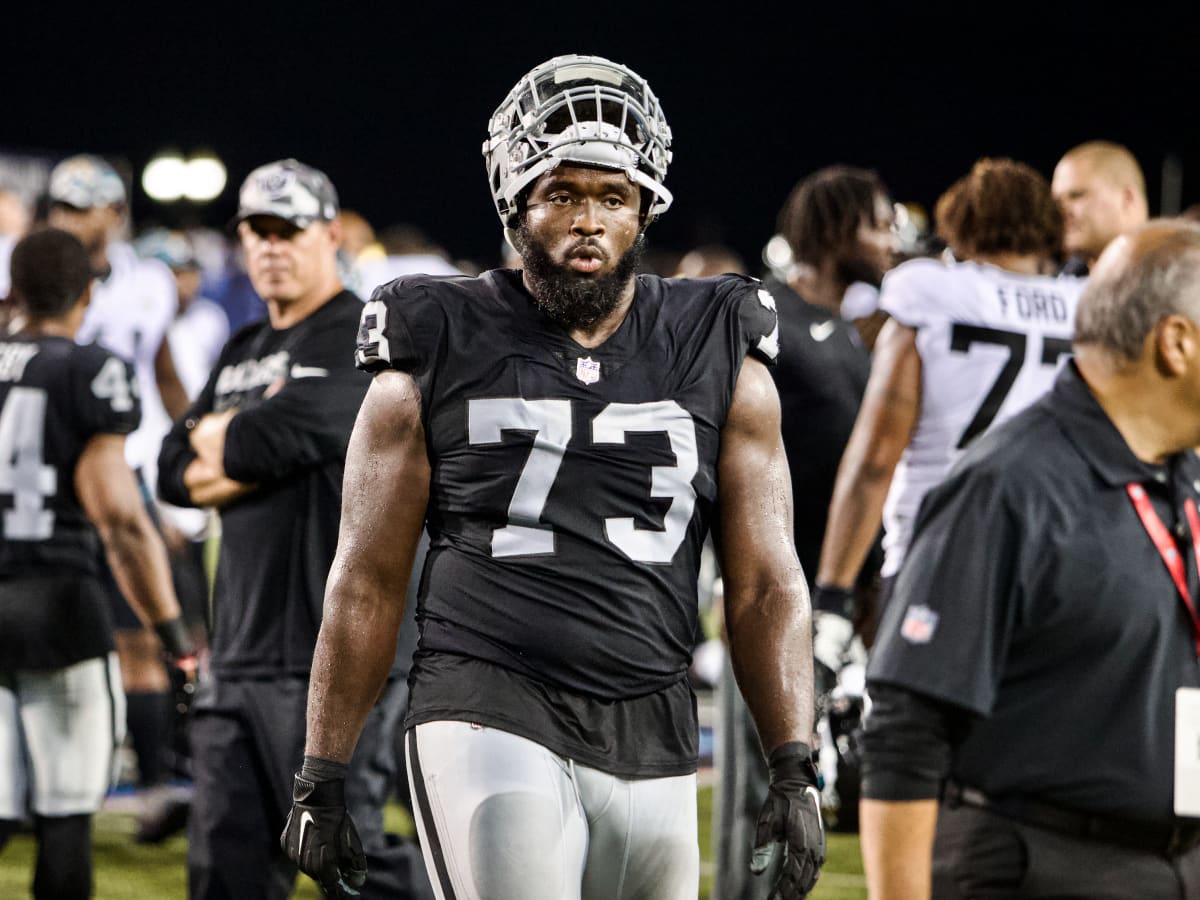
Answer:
x=919 y=624
x=587 y=370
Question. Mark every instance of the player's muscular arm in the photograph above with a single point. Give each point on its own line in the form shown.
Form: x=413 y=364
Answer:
x=897 y=847
x=766 y=601
x=112 y=501
x=170 y=388
x=885 y=423
x=205 y=476
x=384 y=495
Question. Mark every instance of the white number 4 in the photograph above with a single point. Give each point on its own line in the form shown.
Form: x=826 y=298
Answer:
x=549 y=421
x=23 y=475
x=111 y=384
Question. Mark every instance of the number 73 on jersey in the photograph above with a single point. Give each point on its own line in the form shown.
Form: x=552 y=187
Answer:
x=549 y=423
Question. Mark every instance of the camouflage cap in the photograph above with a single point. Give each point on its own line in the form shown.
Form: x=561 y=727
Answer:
x=289 y=190
x=86 y=182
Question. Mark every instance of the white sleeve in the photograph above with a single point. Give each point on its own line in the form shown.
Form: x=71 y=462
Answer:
x=910 y=292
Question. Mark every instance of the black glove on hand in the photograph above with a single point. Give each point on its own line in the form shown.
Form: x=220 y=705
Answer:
x=319 y=835
x=789 y=843
x=176 y=641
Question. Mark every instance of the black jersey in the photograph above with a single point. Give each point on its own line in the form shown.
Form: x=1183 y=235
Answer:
x=571 y=488
x=297 y=394
x=55 y=396
x=821 y=380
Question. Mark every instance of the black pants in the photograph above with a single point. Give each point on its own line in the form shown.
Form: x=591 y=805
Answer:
x=247 y=742
x=982 y=854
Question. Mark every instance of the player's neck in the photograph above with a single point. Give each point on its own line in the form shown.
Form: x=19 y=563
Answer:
x=604 y=329
x=818 y=289
x=56 y=326
x=1021 y=263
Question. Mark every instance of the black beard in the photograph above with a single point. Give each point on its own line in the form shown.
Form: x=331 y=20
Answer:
x=855 y=268
x=567 y=298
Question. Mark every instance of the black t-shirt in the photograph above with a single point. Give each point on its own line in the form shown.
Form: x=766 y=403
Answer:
x=55 y=396
x=1034 y=600
x=571 y=488
x=821 y=377
x=297 y=393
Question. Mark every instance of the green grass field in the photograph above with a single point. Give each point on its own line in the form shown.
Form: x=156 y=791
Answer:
x=128 y=871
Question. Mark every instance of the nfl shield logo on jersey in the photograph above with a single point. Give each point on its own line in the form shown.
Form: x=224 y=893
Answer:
x=587 y=370
x=919 y=624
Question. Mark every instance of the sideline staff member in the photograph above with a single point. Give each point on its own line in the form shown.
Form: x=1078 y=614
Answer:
x=265 y=442
x=1045 y=623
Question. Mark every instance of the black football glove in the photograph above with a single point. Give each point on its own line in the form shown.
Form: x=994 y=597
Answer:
x=789 y=844
x=320 y=836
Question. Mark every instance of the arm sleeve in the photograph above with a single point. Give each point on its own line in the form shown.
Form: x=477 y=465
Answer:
x=175 y=453
x=906 y=744
x=758 y=321
x=910 y=292
x=307 y=422
x=106 y=393
x=385 y=338
x=948 y=625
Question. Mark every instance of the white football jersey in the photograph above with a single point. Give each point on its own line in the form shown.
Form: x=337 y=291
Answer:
x=990 y=343
x=129 y=315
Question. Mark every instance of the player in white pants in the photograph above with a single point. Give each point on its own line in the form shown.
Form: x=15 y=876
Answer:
x=620 y=839
x=59 y=729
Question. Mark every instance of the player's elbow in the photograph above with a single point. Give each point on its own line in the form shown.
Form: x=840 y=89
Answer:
x=124 y=530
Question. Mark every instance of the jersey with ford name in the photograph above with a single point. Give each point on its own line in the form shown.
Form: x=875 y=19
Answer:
x=55 y=396
x=990 y=343
x=571 y=488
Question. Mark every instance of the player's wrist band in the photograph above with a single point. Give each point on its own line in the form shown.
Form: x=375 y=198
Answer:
x=828 y=598
x=320 y=782
x=317 y=769
x=175 y=638
x=793 y=760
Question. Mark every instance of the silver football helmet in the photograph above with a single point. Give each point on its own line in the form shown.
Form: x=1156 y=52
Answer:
x=577 y=109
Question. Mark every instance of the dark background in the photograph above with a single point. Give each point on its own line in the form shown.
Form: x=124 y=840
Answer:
x=393 y=101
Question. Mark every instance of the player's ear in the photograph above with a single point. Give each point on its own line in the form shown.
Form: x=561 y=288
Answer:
x=85 y=298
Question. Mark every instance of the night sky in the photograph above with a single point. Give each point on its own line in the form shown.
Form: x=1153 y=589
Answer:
x=393 y=105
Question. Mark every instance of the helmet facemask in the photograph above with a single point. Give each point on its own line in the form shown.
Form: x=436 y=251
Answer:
x=580 y=110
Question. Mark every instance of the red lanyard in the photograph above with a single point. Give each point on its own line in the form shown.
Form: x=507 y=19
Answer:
x=1166 y=545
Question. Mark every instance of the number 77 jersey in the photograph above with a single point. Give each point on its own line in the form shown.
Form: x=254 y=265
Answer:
x=572 y=488
x=990 y=342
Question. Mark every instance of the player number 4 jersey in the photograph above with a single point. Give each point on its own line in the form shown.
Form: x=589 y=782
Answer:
x=991 y=342
x=55 y=396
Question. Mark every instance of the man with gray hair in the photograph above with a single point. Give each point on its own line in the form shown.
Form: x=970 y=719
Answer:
x=1036 y=669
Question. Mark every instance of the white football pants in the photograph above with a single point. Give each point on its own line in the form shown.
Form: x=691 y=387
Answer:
x=59 y=730
x=503 y=818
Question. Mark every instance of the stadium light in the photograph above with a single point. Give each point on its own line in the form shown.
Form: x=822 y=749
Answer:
x=169 y=177
x=205 y=178
x=164 y=177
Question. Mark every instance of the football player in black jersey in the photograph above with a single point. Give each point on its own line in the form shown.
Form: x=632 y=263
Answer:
x=265 y=442
x=568 y=432
x=66 y=489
